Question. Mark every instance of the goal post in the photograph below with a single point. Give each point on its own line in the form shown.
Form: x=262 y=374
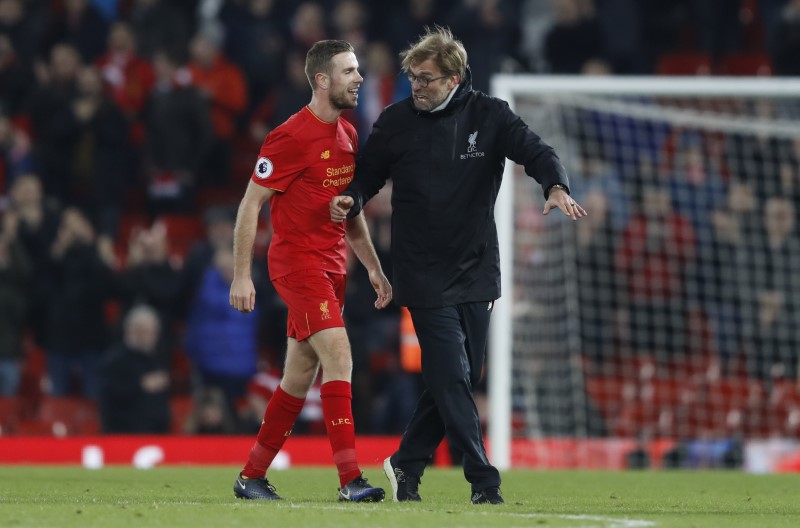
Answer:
x=586 y=340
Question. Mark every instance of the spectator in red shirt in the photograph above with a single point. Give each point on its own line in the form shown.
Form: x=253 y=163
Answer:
x=223 y=85
x=657 y=248
x=128 y=77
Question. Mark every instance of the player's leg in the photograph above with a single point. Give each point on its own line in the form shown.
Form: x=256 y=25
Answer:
x=283 y=408
x=315 y=298
x=333 y=350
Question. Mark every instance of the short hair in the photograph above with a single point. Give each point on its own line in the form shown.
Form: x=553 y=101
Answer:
x=319 y=57
x=439 y=44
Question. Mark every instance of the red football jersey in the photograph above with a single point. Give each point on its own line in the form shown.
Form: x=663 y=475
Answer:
x=308 y=161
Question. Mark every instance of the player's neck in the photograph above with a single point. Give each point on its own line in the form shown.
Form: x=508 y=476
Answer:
x=323 y=110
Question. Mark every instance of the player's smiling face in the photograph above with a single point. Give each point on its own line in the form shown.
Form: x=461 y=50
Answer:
x=429 y=86
x=345 y=81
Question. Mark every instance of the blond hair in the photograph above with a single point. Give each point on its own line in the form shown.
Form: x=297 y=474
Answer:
x=439 y=44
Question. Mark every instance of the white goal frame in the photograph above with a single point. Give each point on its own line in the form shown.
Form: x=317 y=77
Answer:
x=508 y=87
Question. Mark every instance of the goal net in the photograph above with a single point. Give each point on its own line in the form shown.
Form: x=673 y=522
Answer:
x=671 y=313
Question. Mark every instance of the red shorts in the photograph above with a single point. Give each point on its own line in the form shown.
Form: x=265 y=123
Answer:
x=315 y=299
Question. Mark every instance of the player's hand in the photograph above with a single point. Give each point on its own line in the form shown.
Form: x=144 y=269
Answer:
x=559 y=198
x=243 y=295
x=340 y=206
x=382 y=288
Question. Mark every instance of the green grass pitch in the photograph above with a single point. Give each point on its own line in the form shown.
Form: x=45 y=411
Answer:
x=198 y=497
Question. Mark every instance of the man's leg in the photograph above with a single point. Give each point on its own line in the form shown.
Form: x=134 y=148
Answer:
x=299 y=374
x=453 y=342
x=333 y=350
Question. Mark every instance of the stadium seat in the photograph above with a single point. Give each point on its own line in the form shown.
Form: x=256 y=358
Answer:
x=65 y=416
x=746 y=64
x=10 y=415
x=180 y=409
x=183 y=230
x=684 y=64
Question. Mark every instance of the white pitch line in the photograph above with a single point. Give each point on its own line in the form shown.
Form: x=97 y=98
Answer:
x=606 y=522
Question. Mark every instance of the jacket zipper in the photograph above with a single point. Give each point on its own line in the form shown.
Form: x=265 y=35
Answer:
x=455 y=134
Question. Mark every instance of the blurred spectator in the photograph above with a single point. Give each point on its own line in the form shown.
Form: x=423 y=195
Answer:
x=223 y=86
x=221 y=343
x=23 y=26
x=79 y=23
x=382 y=86
x=150 y=278
x=283 y=100
x=260 y=391
x=717 y=27
x=351 y=23
x=657 y=247
x=16 y=272
x=598 y=292
x=159 y=26
x=79 y=283
x=696 y=185
x=16 y=78
x=96 y=167
x=536 y=17
x=774 y=291
x=15 y=152
x=489 y=29
x=210 y=414
x=724 y=271
x=256 y=42
x=621 y=24
x=406 y=19
x=219 y=221
x=575 y=37
x=178 y=132
x=47 y=110
x=307 y=26
x=128 y=78
x=787 y=40
x=37 y=219
x=135 y=384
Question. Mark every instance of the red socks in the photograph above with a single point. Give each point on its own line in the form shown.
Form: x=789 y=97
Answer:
x=279 y=418
x=282 y=411
x=337 y=411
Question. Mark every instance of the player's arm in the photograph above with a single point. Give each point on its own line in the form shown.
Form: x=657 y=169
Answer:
x=243 y=292
x=372 y=170
x=357 y=234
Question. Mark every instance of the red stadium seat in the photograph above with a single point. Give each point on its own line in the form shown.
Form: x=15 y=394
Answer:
x=182 y=232
x=10 y=415
x=684 y=64
x=746 y=64
x=180 y=409
x=64 y=416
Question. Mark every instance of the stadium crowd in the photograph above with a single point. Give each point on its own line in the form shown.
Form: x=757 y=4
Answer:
x=126 y=137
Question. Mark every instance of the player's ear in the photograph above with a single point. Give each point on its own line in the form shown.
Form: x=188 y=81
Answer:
x=322 y=80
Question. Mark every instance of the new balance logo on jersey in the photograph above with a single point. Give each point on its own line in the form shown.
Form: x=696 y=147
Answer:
x=325 y=154
x=326 y=313
x=472 y=147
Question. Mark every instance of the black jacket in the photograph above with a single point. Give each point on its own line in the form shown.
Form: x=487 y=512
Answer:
x=446 y=169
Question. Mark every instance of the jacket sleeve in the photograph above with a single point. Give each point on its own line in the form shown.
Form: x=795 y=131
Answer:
x=525 y=147
x=372 y=168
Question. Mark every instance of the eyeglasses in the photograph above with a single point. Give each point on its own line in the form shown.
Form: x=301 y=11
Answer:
x=423 y=81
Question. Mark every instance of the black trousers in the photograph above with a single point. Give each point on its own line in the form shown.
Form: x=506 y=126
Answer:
x=453 y=343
